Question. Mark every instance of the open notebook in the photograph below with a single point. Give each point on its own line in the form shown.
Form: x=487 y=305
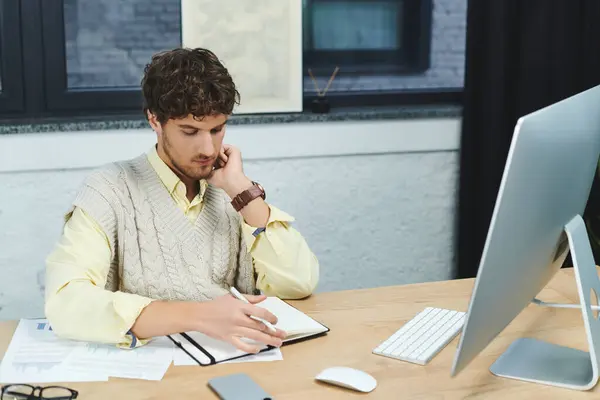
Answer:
x=208 y=351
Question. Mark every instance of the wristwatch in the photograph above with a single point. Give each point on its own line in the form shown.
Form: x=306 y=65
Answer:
x=241 y=200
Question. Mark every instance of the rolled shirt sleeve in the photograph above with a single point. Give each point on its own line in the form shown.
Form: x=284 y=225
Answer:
x=284 y=264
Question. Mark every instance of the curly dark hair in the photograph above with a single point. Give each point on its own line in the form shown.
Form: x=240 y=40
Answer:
x=183 y=81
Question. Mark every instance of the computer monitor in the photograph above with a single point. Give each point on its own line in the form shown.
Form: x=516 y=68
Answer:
x=536 y=220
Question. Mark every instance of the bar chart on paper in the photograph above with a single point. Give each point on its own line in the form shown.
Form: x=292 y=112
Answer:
x=36 y=354
x=147 y=362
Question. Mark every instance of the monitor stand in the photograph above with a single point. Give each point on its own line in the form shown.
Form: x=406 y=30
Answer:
x=541 y=362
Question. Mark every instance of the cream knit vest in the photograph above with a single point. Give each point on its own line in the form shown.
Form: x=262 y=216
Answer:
x=156 y=251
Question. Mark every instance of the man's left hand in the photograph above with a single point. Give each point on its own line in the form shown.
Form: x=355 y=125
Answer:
x=229 y=173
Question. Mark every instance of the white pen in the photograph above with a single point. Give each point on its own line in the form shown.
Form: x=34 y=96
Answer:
x=239 y=296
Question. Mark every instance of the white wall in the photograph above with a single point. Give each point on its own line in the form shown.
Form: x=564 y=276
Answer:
x=374 y=199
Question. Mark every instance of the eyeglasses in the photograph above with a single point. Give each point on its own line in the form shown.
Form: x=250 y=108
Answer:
x=28 y=392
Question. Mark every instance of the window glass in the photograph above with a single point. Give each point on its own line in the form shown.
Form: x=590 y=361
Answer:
x=109 y=42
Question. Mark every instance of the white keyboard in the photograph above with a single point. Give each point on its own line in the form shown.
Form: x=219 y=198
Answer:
x=421 y=338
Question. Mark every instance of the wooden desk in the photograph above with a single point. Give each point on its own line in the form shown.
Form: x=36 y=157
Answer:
x=359 y=321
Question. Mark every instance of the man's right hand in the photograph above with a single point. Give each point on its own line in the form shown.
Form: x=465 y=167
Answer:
x=227 y=318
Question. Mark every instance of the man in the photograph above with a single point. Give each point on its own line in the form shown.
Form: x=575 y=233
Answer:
x=152 y=245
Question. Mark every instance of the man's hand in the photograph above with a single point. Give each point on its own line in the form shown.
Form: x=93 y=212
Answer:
x=229 y=173
x=227 y=318
x=229 y=176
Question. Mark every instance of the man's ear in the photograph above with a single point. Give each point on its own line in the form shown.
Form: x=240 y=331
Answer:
x=154 y=124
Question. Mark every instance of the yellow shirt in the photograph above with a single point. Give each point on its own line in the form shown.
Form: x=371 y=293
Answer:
x=77 y=269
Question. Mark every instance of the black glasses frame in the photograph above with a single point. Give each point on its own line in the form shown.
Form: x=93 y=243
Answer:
x=37 y=392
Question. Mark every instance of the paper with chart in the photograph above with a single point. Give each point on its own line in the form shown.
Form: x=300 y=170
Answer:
x=149 y=362
x=35 y=355
x=41 y=345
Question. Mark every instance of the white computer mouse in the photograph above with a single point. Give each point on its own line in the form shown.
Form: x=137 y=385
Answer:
x=348 y=377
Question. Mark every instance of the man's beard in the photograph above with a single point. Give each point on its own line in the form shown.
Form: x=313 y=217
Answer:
x=193 y=174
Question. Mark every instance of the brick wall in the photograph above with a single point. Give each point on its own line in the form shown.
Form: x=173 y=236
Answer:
x=108 y=43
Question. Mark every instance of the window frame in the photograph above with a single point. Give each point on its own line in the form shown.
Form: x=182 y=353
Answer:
x=390 y=98
x=412 y=57
x=35 y=80
x=11 y=64
x=59 y=97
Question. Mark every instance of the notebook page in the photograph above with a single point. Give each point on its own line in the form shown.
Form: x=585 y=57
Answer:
x=289 y=319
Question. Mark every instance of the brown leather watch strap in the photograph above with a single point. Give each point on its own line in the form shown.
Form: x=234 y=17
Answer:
x=241 y=200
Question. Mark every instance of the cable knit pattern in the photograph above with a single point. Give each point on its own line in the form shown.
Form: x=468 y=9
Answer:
x=156 y=251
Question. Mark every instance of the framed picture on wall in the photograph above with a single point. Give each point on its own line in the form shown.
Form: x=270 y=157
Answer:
x=258 y=41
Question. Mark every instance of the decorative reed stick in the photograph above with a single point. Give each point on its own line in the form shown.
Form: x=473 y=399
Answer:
x=314 y=82
x=312 y=77
x=330 y=80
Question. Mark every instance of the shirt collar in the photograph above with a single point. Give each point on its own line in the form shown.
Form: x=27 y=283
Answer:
x=167 y=176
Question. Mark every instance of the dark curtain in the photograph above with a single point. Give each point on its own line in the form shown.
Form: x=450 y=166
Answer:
x=521 y=55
